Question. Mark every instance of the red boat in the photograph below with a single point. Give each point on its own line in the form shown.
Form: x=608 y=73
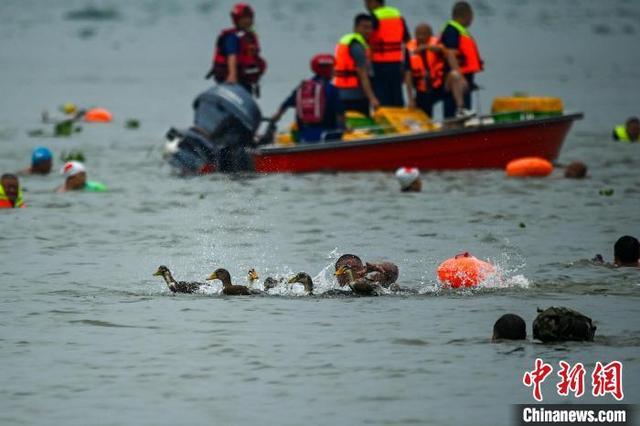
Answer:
x=472 y=147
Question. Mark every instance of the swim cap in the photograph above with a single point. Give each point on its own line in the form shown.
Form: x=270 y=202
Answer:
x=40 y=154
x=406 y=176
x=72 y=168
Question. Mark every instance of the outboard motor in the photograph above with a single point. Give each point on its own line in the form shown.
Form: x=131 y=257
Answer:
x=226 y=119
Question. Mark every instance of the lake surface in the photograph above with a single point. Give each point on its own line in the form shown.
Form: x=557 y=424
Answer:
x=89 y=336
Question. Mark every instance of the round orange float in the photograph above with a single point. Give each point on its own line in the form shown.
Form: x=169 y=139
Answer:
x=529 y=167
x=464 y=270
x=98 y=115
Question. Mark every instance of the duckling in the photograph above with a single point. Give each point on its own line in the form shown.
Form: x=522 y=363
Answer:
x=269 y=282
x=252 y=276
x=304 y=279
x=360 y=287
x=228 y=288
x=176 y=286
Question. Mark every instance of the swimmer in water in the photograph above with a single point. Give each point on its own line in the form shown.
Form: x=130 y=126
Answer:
x=409 y=179
x=626 y=252
x=509 y=327
x=576 y=170
x=41 y=162
x=10 y=192
x=76 y=179
x=384 y=273
x=560 y=324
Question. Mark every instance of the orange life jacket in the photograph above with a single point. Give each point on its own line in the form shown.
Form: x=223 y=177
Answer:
x=468 y=54
x=344 y=71
x=427 y=75
x=250 y=65
x=386 y=39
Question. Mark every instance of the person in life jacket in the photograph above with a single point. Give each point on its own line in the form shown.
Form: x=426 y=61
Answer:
x=629 y=132
x=10 y=192
x=353 y=67
x=41 y=162
x=319 y=111
x=464 y=61
x=75 y=175
x=387 y=52
x=425 y=69
x=237 y=53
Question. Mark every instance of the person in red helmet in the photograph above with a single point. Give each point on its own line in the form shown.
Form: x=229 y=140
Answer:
x=237 y=53
x=319 y=110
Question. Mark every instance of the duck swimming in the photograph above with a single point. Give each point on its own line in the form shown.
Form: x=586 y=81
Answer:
x=228 y=288
x=176 y=286
x=269 y=282
x=359 y=287
x=304 y=279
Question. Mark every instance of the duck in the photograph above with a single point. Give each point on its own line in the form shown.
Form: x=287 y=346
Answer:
x=304 y=279
x=359 y=287
x=176 y=286
x=252 y=276
x=228 y=288
x=269 y=282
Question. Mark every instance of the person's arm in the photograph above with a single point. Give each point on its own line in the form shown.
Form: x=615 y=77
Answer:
x=408 y=81
x=290 y=102
x=232 y=62
x=363 y=75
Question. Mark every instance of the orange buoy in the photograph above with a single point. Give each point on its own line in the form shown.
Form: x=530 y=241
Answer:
x=98 y=115
x=464 y=270
x=529 y=167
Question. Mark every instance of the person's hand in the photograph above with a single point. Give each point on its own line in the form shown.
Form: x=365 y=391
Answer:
x=412 y=102
x=275 y=117
x=375 y=103
x=231 y=80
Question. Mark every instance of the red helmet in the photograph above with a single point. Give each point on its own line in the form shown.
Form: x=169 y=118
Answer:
x=322 y=65
x=240 y=10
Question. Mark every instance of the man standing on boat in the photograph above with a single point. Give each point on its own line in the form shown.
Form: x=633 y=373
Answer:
x=457 y=40
x=319 y=111
x=237 y=55
x=351 y=72
x=387 y=52
x=425 y=69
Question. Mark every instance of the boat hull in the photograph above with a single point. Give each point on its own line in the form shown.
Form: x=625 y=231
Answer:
x=484 y=146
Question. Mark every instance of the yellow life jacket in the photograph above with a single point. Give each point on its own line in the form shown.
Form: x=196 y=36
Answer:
x=5 y=203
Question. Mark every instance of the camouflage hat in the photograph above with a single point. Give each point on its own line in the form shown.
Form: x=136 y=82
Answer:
x=559 y=324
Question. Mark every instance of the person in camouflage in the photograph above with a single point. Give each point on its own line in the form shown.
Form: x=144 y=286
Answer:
x=560 y=324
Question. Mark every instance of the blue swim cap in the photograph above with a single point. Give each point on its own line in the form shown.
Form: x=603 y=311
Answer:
x=40 y=154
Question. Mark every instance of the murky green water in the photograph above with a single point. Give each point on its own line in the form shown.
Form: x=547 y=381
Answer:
x=88 y=336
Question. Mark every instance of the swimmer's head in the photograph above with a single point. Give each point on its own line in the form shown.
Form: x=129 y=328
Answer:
x=509 y=327
x=41 y=161
x=11 y=186
x=409 y=179
x=626 y=251
x=576 y=170
x=633 y=128
x=75 y=174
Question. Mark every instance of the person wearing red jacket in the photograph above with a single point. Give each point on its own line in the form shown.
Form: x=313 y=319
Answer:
x=237 y=54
